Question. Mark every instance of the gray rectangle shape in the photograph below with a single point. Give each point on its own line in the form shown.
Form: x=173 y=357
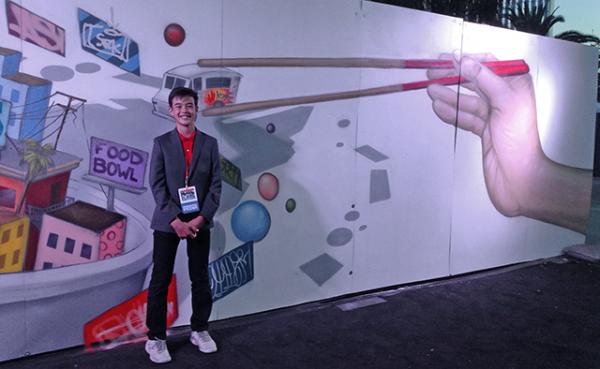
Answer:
x=380 y=186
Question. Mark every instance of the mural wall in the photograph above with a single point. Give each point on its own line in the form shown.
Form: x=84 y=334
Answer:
x=342 y=170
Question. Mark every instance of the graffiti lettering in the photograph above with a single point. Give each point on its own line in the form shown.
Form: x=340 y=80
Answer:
x=231 y=271
x=128 y=319
x=108 y=43
x=32 y=28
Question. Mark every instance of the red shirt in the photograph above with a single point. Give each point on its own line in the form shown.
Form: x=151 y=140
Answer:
x=188 y=146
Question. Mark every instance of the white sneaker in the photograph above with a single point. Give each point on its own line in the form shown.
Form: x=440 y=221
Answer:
x=158 y=351
x=204 y=342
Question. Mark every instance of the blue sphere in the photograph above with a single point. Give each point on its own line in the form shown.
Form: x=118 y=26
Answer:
x=250 y=221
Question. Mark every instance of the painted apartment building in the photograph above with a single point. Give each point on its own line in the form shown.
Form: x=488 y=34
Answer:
x=79 y=233
x=4 y=115
x=13 y=242
x=28 y=96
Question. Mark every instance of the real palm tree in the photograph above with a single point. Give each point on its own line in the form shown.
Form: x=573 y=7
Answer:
x=413 y=4
x=533 y=19
x=478 y=11
x=38 y=158
x=579 y=37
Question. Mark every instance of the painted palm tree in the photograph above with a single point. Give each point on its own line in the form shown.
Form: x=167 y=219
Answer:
x=38 y=158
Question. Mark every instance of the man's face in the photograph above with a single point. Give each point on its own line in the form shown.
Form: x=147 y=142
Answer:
x=184 y=110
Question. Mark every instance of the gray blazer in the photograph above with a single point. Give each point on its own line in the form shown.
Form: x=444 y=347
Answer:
x=167 y=174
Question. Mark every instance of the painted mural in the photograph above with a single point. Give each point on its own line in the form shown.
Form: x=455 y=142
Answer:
x=354 y=157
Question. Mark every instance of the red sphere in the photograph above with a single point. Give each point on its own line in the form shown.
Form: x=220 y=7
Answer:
x=268 y=186
x=174 y=34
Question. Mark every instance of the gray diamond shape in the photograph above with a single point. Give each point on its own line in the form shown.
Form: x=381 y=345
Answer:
x=321 y=268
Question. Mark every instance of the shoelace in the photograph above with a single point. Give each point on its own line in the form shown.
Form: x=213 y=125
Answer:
x=204 y=337
x=160 y=345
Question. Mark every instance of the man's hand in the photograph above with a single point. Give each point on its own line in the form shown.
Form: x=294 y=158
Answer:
x=197 y=223
x=183 y=229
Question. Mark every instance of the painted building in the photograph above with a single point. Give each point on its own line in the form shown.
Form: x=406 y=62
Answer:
x=28 y=96
x=4 y=114
x=46 y=192
x=13 y=242
x=48 y=187
x=79 y=233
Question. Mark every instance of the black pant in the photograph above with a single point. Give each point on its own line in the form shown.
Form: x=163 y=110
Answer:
x=163 y=256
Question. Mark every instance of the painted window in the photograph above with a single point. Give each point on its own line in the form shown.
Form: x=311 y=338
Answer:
x=218 y=82
x=16 y=255
x=2 y=260
x=8 y=197
x=169 y=82
x=47 y=265
x=6 y=236
x=86 y=251
x=69 y=245
x=55 y=192
x=20 y=230
x=52 y=240
x=14 y=96
x=172 y=82
x=197 y=84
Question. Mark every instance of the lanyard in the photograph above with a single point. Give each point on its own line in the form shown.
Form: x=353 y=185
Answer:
x=188 y=163
x=187 y=170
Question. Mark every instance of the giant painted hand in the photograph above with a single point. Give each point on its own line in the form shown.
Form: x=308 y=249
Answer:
x=520 y=179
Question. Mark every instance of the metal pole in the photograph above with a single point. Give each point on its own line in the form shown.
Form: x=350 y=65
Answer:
x=110 y=202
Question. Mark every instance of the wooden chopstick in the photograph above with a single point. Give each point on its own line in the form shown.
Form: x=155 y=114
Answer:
x=345 y=63
x=510 y=70
x=500 y=67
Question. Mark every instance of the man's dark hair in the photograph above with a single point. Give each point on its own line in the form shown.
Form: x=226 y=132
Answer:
x=181 y=92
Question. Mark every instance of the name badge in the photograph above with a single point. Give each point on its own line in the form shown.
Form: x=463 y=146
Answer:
x=188 y=199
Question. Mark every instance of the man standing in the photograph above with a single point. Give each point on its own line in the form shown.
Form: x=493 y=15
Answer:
x=185 y=177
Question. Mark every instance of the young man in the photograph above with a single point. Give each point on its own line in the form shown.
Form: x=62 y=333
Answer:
x=185 y=177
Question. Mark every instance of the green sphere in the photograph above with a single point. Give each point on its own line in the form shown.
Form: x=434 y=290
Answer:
x=290 y=205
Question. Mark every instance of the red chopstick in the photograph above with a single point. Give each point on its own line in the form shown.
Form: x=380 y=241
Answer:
x=501 y=67
x=447 y=64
